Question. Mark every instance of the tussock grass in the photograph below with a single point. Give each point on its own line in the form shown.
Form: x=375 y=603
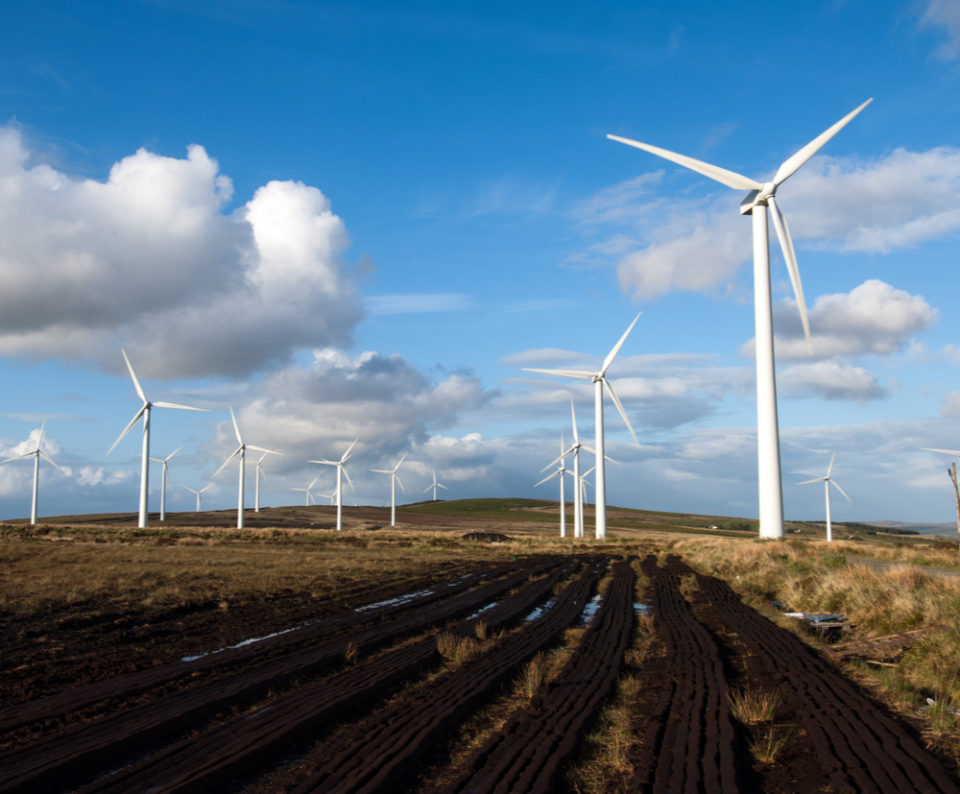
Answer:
x=754 y=706
x=769 y=744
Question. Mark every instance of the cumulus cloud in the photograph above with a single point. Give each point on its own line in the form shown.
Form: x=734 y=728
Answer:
x=830 y=380
x=944 y=14
x=150 y=259
x=899 y=200
x=872 y=318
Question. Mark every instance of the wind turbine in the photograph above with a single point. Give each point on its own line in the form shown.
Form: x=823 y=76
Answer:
x=145 y=455
x=827 y=482
x=435 y=485
x=755 y=203
x=341 y=472
x=952 y=474
x=197 y=493
x=163 y=481
x=394 y=480
x=259 y=475
x=599 y=378
x=560 y=472
x=308 y=489
x=241 y=453
x=37 y=453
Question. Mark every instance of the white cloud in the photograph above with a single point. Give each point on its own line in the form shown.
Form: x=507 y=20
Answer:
x=829 y=380
x=951 y=404
x=944 y=14
x=872 y=318
x=149 y=259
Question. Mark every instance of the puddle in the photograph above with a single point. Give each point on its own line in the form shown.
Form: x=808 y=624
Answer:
x=538 y=612
x=644 y=609
x=390 y=602
x=480 y=611
x=242 y=643
x=590 y=609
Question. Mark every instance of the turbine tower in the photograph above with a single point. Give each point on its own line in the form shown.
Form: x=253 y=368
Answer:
x=434 y=485
x=145 y=454
x=37 y=453
x=559 y=472
x=164 y=473
x=756 y=202
x=599 y=378
x=394 y=480
x=197 y=493
x=308 y=490
x=341 y=473
x=827 y=481
x=241 y=453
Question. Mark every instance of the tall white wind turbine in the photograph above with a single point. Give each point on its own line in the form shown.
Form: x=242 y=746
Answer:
x=827 y=481
x=308 y=490
x=434 y=485
x=164 y=473
x=145 y=454
x=599 y=378
x=36 y=453
x=394 y=481
x=560 y=472
x=756 y=202
x=241 y=453
x=341 y=473
x=197 y=493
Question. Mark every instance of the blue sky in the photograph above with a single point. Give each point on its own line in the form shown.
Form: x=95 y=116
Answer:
x=364 y=220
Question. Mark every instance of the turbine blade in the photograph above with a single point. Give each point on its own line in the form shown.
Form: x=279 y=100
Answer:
x=616 y=401
x=832 y=459
x=189 y=489
x=567 y=373
x=180 y=407
x=129 y=427
x=616 y=348
x=442 y=486
x=346 y=455
x=793 y=163
x=156 y=460
x=51 y=461
x=205 y=487
x=347 y=475
x=324 y=462
x=816 y=479
x=790 y=257
x=43 y=424
x=945 y=451
x=841 y=491
x=174 y=452
x=721 y=175
x=17 y=457
x=133 y=375
x=400 y=483
x=395 y=468
x=264 y=450
x=573 y=417
x=236 y=427
x=224 y=464
x=382 y=471
x=548 y=477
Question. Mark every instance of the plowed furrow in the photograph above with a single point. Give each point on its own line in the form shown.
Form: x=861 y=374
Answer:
x=689 y=738
x=241 y=746
x=859 y=745
x=528 y=752
x=76 y=755
x=383 y=752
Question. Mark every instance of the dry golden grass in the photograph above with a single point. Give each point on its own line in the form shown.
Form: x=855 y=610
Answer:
x=753 y=706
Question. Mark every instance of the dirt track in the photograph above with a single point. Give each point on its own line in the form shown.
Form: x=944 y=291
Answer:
x=339 y=701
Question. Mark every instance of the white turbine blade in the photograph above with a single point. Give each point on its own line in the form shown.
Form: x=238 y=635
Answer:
x=592 y=451
x=567 y=373
x=51 y=461
x=616 y=348
x=173 y=453
x=792 y=163
x=429 y=487
x=573 y=417
x=17 y=457
x=313 y=482
x=616 y=401
x=555 y=461
x=264 y=450
x=382 y=471
x=817 y=479
x=721 y=175
x=548 y=477
x=397 y=467
x=400 y=483
x=790 y=257
x=224 y=464
x=832 y=459
x=841 y=491
x=133 y=375
x=325 y=462
x=346 y=455
x=189 y=489
x=156 y=460
x=180 y=407
x=205 y=487
x=944 y=451
x=236 y=427
x=129 y=427
x=442 y=486
x=43 y=424
x=346 y=474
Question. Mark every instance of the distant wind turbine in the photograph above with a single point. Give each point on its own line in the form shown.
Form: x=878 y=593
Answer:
x=308 y=490
x=827 y=481
x=341 y=473
x=560 y=472
x=145 y=454
x=241 y=453
x=205 y=487
x=259 y=476
x=434 y=485
x=164 y=473
x=760 y=197
x=37 y=453
x=394 y=481
x=599 y=378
